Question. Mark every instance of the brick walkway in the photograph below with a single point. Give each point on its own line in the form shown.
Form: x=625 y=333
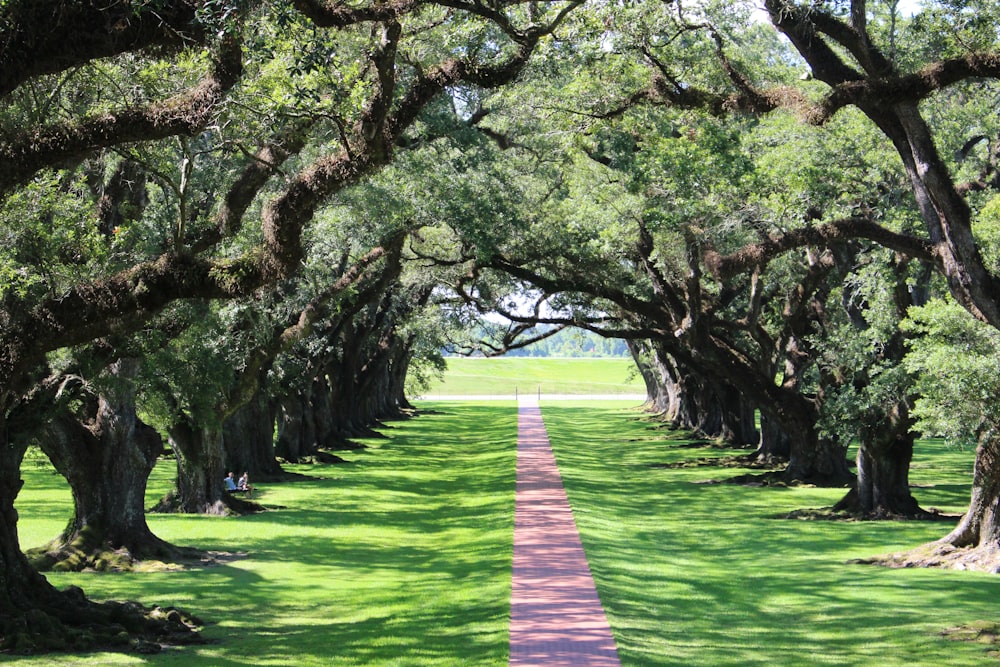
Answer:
x=556 y=616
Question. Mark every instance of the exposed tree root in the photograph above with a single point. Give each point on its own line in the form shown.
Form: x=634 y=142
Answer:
x=69 y=621
x=891 y=507
x=980 y=632
x=941 y=555
x=325 y=458
x=345 y=445
x=229 y=505
x=770 y=477
x=834 y=514
x=321 y=457
x=87 y=554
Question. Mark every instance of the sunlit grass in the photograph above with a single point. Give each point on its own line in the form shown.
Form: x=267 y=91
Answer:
x=693 y=573
x=403 y=556
x=400 y=557
x=505 y=376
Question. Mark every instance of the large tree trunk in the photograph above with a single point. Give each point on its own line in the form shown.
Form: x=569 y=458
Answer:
x=248 y=439
x=775 y=444
x=978 y=533
x=400 y=368
x=327 y=436
x=974 y=544
x=698 y=407
x=36 y=617
x=106 y=461
x=295 y=430
x=22 y=589
x=883 y=469
x=656 y=396
x=816 y=460
x=200 y=488
x=812 y=459
x=884 y=479
x=739 y=427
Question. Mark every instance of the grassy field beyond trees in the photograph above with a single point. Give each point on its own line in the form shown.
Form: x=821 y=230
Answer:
x=503 y=376
x=403 y=556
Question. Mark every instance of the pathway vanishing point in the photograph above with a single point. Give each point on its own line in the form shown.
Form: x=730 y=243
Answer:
x=556 y=617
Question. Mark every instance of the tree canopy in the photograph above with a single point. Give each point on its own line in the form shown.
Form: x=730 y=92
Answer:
x=261 y=218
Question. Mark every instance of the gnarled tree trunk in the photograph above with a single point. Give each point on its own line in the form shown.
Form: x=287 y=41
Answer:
x=248 y=439
x=35 y=616
x=978 y=533
x=658 y=399
x=200 y=488
x=775 y=444
x=883 y=469
x=295 y=441
x=738 y=424
x=107 y=460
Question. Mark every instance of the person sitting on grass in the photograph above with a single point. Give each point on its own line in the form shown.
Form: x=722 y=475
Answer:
x=230 y=482
x=244 y=484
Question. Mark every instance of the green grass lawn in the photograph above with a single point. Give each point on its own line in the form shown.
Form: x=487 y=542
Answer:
x=400 y=557
x=694 y=573
x=503 y=376
x=403 y=556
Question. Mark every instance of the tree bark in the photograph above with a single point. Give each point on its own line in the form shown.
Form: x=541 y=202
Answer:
x=739 y=427
x=882 y=490
x=978 y=533
x=775 y=443
x=248 y=439
x=107 y=460
x=35 y=616
x=200 y=472
x=294 y=443
x=657 y=400
x=884 y=479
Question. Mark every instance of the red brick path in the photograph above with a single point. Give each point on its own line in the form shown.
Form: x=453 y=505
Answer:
x=556 y=616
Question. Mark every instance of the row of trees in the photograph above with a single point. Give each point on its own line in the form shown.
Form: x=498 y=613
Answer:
x=188 y=254
x=777 y=216
x=242 y=227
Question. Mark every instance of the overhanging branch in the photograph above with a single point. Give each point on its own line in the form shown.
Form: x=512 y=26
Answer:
x=758 y=255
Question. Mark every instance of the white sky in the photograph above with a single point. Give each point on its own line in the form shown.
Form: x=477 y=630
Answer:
x=906 y=7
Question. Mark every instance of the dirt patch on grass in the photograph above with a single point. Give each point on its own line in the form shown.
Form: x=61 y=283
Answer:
x=941 y=555
x=980 y=632
x=772 y=471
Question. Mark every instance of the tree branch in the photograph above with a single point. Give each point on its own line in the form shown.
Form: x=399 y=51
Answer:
x=758 y=255
x=49 y=36
x=24 y=154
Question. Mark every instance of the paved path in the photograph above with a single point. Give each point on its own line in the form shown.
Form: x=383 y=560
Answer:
x=556 y=616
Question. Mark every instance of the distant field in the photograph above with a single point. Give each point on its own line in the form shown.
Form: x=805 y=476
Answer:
x=507 y=375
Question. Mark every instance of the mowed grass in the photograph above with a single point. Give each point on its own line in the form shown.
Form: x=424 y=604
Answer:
x=400 y=557
x=696 y=573
x=403 y=556
x=505 y=376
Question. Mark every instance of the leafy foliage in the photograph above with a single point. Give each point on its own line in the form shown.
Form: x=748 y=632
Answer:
x=957 y=363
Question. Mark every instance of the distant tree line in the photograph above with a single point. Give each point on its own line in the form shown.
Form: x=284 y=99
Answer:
x=568 y=343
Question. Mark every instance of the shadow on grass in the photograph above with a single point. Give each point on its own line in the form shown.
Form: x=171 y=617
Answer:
x=403 y=557
x=697 y=574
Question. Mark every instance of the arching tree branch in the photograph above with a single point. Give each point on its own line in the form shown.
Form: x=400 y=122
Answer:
x=49 y=36
x=758 y=255
x=24 y=154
